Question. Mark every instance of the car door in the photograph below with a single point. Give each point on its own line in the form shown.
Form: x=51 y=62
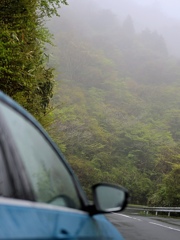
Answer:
x=45 y=200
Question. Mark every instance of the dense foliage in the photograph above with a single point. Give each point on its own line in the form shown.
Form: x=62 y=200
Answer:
x=24 y=74
x=117 y=97
x=118 y=105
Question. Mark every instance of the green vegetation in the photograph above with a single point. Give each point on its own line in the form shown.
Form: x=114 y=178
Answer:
x=24 y=73
x=116 y=114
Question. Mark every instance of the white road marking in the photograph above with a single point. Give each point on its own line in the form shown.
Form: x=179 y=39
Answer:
x=128 y=216
x=157 y=224
x=160 y=225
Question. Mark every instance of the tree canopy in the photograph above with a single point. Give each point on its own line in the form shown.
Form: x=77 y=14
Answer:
x=24 y=71
x=117 y=97
x=116 y=100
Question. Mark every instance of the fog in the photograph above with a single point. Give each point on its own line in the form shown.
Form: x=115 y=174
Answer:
x=169 y=8
x=156 y=15
x=160 y=15
x=118 y=92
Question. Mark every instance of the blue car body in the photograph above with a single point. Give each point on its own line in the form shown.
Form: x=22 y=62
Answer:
x=22 y=216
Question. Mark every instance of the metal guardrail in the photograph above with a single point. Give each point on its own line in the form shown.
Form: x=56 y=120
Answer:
x=157 y=210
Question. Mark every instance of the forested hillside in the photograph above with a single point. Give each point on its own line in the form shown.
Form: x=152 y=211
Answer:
x=117 y=115
x=116 y=103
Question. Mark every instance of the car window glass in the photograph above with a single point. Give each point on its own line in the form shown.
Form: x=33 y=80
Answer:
x=51 y=181
x=6 y=188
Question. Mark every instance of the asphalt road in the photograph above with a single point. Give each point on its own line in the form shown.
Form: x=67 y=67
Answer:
x=134 y=227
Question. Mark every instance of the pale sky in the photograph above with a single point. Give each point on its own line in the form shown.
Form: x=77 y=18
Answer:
x=170 y=7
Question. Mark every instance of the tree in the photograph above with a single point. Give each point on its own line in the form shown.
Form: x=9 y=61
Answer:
x=173 y=193
x=168 y=193
x=24 y=73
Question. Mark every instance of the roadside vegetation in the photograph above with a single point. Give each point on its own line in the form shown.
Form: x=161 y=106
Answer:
x=24 y=71
x=114 y=106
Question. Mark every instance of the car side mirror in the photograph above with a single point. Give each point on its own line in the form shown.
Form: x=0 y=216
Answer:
x=109 y=198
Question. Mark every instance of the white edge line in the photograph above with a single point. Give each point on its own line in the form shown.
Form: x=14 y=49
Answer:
x=160 y=225
x=123 y=215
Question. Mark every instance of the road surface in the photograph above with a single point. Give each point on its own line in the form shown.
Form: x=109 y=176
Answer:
x=134 y=227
